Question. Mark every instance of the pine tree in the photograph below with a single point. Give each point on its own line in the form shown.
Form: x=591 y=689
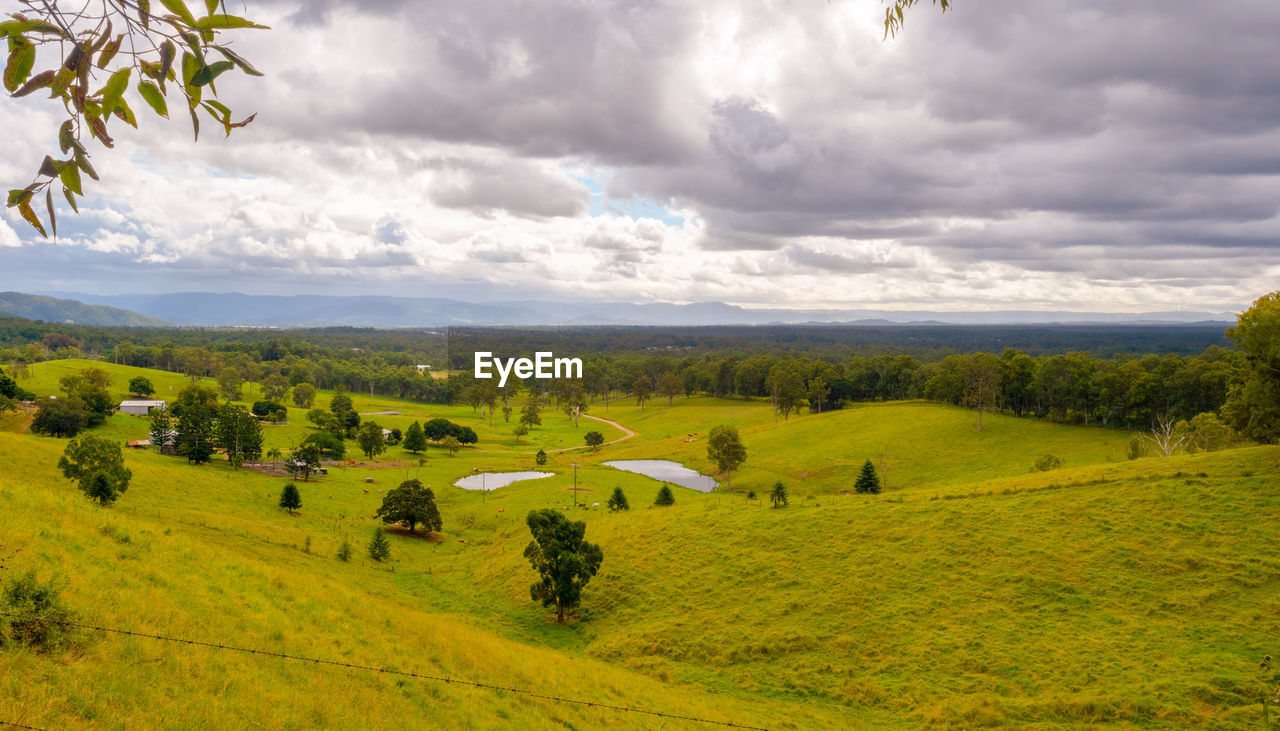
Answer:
x=540 y=457
x=162 y=433
x=344 y=551
x=868 y=481
x=290 y=498
x=415 y=440
x=379 y=546
x=665 y=497
x=778 y=496
x=618 y=501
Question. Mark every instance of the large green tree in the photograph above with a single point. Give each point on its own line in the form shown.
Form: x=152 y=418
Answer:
x=411 y=504
x=97 y=465
x=238 y=434
x=195 y=437
x=415 y=440
x=1253 y=405
x=98 y=59
x=564 y=560
x=724 y=447
x=372 y=443
x=60 y=417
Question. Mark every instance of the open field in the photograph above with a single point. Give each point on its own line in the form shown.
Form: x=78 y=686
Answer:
x=972 y=592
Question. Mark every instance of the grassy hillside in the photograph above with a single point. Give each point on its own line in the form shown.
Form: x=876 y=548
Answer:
x=52 y=309
x=973 y=592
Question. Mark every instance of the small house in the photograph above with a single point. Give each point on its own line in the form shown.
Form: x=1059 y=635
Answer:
x=141 y=408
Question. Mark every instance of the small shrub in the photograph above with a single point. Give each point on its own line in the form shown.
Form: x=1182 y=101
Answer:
x=344 y=551
x=1046 y=463
x=1137 y=448
x=35 y=616
x=751 y=494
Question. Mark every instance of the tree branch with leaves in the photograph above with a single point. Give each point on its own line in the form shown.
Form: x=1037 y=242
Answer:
x=100 y=54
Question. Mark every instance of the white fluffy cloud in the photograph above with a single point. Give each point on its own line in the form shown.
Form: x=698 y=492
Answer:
x=1066 y=155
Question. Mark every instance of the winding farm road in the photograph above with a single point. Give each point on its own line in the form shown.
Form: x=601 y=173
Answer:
x=629 y=434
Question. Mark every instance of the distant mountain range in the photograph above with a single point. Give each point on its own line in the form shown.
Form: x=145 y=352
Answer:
x=233 y=309
x=50 y=309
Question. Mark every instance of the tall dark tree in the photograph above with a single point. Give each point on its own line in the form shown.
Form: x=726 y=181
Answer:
x=238 y=434
x=141 y=386
x=411 y=504
x=379 y=546
x=778 y=495
x=564 y=560
x=415 y=440
x=162 y=432
x=541 y=457
x=868 y=481
x=195 y=433
x=370 y=438
x=665 y=497
x=290 y=498
x=618 y=500
x=97 y=465
x=60 y=417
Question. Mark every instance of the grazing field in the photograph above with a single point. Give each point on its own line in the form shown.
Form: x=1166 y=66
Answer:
x=971 y=592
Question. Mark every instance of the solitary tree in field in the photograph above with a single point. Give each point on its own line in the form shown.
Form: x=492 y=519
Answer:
x=618 y=501
x=564 y=560
x=642 y=389
x=195 y=435
x=724 y=447
x=520 y=431
x=344 y=551
x=778 y=495
x=540 y=457
x=304 y=395
x=415 y=440
x=665 y=497
x=670 y=385
x=290 y=498
x=379 y=546
x=97 y=465
x=594 y=439
x=981 y=375
x=868 y=481
x=531 y=415
x=141 y=386
x=370 y=438
x=411 y=504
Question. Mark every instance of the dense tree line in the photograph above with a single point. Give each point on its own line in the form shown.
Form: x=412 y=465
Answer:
x=818 y=368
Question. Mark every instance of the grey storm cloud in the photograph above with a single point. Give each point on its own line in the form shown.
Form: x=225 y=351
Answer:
x=1090 y=140
x=514 y=186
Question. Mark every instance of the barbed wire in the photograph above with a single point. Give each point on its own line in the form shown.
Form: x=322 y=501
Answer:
x=404 y=673
x=15 y=724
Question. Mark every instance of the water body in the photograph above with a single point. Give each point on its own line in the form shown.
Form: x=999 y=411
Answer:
x=494 y=480
x=667 y=471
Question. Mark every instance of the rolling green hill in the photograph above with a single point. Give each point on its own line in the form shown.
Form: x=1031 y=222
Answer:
x=52 y=309
x=972 y=592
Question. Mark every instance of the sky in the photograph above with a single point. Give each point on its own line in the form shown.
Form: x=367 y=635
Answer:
x=1060 y=155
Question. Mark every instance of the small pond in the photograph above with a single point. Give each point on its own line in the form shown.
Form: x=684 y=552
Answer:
x=667 y=471
x=494 y=480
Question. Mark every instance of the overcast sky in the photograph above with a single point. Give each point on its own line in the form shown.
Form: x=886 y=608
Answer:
x=1063 y=154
